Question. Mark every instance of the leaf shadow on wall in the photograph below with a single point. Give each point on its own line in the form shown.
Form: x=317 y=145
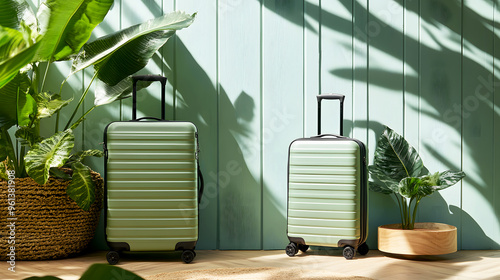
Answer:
x=232 y=192
x=440 y=86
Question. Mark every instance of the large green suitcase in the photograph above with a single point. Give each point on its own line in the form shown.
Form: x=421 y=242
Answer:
x=327 y=191
x=151 y=184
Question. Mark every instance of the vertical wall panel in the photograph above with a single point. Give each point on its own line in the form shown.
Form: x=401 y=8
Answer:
x=440 y=88
x=496 y=120
x=135 y=12
x=282 y=84
x=360 y=71
x=96 y=121
x=385 y=94
x=239 y=180
x=336 y=62
x=312 y=62
x=385 y=29
x=479 y=224
x=196 y=83
x=411 y=71
x=167 y=62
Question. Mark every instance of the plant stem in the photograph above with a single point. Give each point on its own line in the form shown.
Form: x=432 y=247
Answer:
x=80 y=102
x=22 y=168
x=410 y=220
x=405 y=213
x=415 y=212
x=57 y=113
x=82 y=117
x=45 y=76
x=400 y=209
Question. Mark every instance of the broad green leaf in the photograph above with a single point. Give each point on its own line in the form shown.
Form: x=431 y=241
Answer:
x=380 y=188
x=15 y=13
x=11 y=13
x=78 y=157
x=48 y=104
x=51 y=152
x=27 y=110
x=413 y=187
x=386 y=182
x=10 y=104
x=81 y=189
x=105 y=271
x=58 y=173
x=442 y=180
x=105 y=94
x=395 y=157
x=121 y=54
x=28 y=136
x=67 y=25
x=15 y=53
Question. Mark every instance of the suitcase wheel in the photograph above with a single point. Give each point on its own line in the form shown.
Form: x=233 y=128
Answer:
x=188 y=256
x=303 y=247
x=349 y=252
x=291 y=249
x=113 y=257
x=363 y=249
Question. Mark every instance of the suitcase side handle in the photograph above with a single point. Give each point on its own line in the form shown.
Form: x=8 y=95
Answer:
x=332 y=96
x=152 y=78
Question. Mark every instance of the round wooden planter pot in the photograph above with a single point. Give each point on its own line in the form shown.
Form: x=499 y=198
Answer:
x=425 y=239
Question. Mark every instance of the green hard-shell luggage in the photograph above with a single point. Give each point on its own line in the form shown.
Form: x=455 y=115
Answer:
x=152 y=183
x=327 y=191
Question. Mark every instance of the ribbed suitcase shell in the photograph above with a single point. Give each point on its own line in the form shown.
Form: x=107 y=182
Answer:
x=327 y=192
x=151 y=185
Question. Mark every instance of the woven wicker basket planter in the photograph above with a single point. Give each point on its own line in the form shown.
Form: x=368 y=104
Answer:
x=49 y=224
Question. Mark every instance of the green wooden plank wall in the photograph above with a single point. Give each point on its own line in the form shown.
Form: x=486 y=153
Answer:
x=247 y=72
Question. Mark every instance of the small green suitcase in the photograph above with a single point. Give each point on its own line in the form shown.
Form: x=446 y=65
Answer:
x=151 y=184
x=327 y=191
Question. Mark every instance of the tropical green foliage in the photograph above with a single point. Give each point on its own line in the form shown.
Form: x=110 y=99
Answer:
x=399 y=170
x=60 y=30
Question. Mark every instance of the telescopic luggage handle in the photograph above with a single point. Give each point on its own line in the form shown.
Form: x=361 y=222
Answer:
x=154 y=78
x=335 y=96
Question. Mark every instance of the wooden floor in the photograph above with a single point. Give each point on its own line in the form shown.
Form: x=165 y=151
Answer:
x=377 y=265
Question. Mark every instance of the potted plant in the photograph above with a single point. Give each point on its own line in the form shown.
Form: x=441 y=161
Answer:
x=398 y=170
x=29 y=45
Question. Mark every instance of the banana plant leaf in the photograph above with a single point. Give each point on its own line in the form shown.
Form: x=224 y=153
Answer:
x=81 y=189
x=16 y=105
x=105 y=94
x=15 y=53
x=51 y=152
x=67 y=25
x=122 y=54
x=395 y=159
x=12 y=12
